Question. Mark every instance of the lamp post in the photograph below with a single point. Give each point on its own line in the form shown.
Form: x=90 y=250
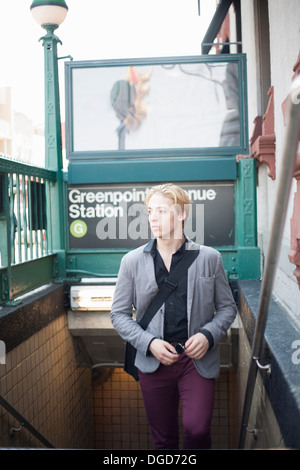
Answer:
x=50 y=14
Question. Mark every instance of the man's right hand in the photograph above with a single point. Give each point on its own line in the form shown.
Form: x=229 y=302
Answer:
x=163 y=351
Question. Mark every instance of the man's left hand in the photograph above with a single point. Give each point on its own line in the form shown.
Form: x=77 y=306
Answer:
x=196 y=346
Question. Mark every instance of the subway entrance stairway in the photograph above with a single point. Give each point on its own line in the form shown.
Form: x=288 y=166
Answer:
x=119 y=417
x=49 y=379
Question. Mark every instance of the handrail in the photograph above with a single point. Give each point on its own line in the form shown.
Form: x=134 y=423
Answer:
x=280 y=209
x=10 y=165
x=25 y=224
x=24 y=423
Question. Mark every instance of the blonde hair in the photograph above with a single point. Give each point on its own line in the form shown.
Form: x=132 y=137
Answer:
x=174 y=192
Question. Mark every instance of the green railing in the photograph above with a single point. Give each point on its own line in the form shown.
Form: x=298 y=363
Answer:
x=26 y=254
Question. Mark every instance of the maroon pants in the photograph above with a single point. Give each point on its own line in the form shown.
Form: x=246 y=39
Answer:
x=162 y=392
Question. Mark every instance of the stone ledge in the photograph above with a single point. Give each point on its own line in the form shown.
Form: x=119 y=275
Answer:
x=37 y=310
x=283 y=386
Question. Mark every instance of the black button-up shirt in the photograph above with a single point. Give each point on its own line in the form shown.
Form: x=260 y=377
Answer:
x=175 y=328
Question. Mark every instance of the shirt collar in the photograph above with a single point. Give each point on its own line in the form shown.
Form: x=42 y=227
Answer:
x=151 y=246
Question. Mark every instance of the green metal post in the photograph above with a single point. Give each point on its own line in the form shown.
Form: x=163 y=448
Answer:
x=248 y=252
x=53 y=148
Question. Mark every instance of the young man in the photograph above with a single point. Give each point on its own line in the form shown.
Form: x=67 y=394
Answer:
x=196 y=315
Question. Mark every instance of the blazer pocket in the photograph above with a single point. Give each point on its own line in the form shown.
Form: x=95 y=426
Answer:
x=207 y=282
x=207 y=292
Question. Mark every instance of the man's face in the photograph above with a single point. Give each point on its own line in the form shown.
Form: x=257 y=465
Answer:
x=165 y=218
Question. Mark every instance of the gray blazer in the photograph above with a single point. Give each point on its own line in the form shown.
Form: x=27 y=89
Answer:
x=210 y=304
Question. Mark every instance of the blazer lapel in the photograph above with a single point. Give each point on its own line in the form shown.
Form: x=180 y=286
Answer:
x=149 y=266
x=191 y=280
x=190 y=288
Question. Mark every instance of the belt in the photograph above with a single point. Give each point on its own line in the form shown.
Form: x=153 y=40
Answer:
x=173 y=343
x=179 y=346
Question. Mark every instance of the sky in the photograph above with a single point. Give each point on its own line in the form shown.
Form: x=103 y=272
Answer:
x=94 y=30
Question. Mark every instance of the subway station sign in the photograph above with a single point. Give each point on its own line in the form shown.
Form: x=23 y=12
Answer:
x=115 y=216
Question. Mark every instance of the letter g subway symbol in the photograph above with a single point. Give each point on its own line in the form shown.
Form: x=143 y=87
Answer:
x=78 y=228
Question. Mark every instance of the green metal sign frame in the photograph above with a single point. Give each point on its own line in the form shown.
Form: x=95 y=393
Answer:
x=99 y=154
x=241 y=261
